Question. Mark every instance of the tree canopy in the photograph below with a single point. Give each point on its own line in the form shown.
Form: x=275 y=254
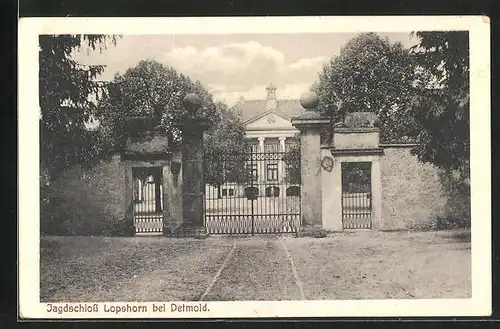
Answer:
x=66 y=88
x=226 y=149
x=441 y=108
x=154 y=90
x=370 y=74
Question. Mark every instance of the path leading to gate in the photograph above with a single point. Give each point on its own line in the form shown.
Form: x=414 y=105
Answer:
x=361 y=265
x=258 y=268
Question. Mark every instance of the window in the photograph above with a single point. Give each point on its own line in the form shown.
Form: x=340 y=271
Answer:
x=293 y=191
x=272 y=191
x=254 y=175
x=272 y=147
x=272 y=171
x=251 y=192
x=253 y=148
x=291 y=145
x=227 y=192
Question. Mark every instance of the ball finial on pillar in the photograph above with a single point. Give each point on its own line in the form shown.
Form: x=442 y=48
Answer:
x=192 y=102
x=309 y=100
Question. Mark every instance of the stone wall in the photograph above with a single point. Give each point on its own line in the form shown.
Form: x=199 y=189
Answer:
x=85 y=201
x=412 y=193
x=93 y=201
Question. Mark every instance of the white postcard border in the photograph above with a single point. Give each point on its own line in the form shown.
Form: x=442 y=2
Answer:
x=28 y=222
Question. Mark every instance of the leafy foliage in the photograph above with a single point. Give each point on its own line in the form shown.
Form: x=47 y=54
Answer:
x=292 y=162
x=156 y=91
x=370 y=75
x=66 y=88
x=441 y=108
x=356 y=177
x=152 y=90
x=226 y=149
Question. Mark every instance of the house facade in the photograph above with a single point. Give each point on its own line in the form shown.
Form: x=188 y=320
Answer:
x=268 y=121
x=269 y=130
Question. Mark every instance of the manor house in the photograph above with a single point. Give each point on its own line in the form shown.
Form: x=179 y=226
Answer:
x=269 y=129
x=268 y=121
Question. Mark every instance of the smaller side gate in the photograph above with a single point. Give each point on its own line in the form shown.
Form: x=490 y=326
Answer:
x=356 y=195
x=147 y=207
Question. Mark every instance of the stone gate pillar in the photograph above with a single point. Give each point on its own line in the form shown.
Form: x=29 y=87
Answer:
x=310 y=125
x=193 y=189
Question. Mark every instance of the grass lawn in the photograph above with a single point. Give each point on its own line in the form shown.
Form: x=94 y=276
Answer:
x=350 y=265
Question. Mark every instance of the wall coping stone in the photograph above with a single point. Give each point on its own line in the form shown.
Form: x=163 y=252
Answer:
x=357 y=151
x=396 y=145
x=351 y=130
x=382 y=145
x=147 y=157
x=310 y=120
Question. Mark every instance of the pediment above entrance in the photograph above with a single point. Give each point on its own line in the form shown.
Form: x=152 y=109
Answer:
x=269 y=121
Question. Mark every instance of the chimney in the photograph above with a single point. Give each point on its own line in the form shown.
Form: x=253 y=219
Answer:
x=271 y=103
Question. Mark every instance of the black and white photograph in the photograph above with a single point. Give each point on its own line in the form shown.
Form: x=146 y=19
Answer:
x=200 y=173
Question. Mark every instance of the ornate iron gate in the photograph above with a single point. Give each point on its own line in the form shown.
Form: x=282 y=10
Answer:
x=252 y=192
x=148 y=200
x=356 y=195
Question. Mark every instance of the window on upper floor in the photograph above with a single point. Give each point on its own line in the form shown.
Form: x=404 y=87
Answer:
x=272 y=171
x=272 y=147
x=253 y=148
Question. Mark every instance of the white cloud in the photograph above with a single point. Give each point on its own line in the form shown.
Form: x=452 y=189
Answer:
x=228 y=71
x=244 y=69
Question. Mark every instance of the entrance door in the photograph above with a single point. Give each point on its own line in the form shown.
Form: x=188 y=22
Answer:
x=148 y=199
x=356 y=195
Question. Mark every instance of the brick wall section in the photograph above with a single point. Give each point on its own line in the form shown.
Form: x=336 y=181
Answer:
x=412 y=193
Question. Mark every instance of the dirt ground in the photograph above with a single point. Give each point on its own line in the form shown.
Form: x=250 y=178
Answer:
x=349 y=265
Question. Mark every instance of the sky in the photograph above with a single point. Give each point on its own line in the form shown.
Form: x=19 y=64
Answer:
x=233 y=65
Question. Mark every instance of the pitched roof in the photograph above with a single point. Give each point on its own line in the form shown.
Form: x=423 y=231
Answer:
x=249 y=109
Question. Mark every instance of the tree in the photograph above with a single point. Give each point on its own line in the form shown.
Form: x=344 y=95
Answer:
x=441 y=108
x=291 y=158
x=369 y=75
x=156 y=91
x=153 y=90
x=226 y=150
x=66 y=88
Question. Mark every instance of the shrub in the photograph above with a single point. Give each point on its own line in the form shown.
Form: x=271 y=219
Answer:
x=441 y=223
x=457 y=190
